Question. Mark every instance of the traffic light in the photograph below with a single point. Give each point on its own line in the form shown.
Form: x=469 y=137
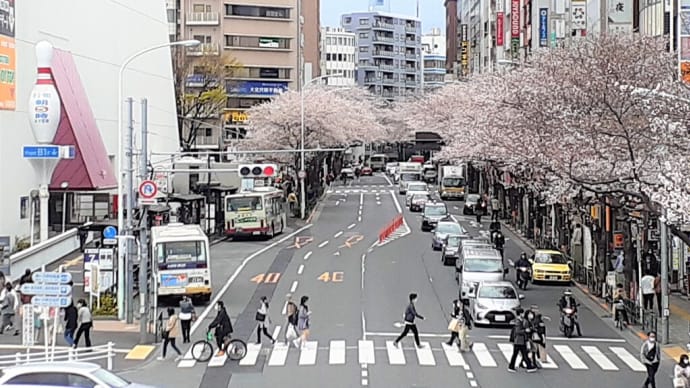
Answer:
x=257 y=170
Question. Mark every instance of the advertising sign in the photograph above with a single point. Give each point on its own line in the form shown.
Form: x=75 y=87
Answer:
x=499 y=28
x=515 y=19
x=261 y=88
x=464 y=49
x=684 y=49
x=8 y=57
x=578 y=15
x=620 y=14
x=543 y=27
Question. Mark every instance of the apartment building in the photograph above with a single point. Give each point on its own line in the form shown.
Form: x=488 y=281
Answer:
x=262 y=38
x=433 y=52
x=389 y=52
x=338 y=56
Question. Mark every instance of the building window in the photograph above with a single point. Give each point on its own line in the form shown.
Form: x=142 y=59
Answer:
x=203 y=38
x=257 y=11
x=363 y=49
x=328 y=40
x=363 y=22
x=260 y=72
x=23 y=207
x=363 y=35
x=201 y=8
x=347 y=20
x=257 y=42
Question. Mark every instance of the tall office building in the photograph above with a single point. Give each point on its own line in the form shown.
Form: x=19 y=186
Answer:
x=338 y=56
x=452 y=37
x=433 y=51
x=262 y=39
x=389 y=51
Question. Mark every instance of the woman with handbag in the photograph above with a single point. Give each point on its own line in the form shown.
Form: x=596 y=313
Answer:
x=263 y=320
x=170 y=333
x=681 y=372
x=650 y=355
x=454 y=324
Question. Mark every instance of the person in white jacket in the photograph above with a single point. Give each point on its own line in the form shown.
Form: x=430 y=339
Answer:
x=681 y=372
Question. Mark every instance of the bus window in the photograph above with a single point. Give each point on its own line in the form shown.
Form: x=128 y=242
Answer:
x=244 y=203
x=180 y=252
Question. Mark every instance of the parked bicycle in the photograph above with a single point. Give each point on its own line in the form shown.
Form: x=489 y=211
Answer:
x=234 y=348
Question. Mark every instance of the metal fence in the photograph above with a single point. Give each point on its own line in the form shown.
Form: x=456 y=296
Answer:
x=37 y=354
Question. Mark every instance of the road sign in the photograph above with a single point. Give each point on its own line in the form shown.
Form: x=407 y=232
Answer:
x=52 y=277
x=46 y=289
x=301 y=174
x=28 y=335
x=148 y=189
x=51 y=301
x=109 y=241
x=109 y=232
x=41 y=152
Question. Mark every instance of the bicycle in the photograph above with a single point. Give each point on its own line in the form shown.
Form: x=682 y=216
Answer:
x=234 y=348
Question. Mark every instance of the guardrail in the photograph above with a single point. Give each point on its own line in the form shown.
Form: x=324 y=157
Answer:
x=36 y=354
x=43 y=253
x=390 y=228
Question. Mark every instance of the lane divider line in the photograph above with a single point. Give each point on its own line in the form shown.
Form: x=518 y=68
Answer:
x=364 y=258
x=219 y=295
x=395 y=200
x=323 y=244
x=351 y=226
x=338 y=234
x=306 y=257
x=300 y=269
x=294 y=286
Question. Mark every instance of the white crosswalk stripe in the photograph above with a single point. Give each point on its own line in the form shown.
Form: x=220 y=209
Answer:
x=582 y=358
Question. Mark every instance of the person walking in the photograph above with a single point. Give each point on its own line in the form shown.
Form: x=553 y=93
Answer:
x=222 y=325
x=303 y=320
x=409 y=316
x=518 y=337
x=539 y=339
x=454 y=324
x=681 y=372
x=479 y=210
x=495 y=208
x=650 y=355
x=292 y=201
x=465 y=322
x=170 y=334
x=647 y=285
x=9 y=304
x=85 y=323
x=292 y=317
x=187 y=315
x=263 y=320
x=533 y=337
x=70 y=323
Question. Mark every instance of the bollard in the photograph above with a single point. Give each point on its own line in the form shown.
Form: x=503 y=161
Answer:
x=110 y=355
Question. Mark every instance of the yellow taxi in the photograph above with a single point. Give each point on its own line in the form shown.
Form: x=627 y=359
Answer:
x=550 y=266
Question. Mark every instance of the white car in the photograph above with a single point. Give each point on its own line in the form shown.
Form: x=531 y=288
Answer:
x=495 y=303
x=63 y=374
x=391 y=168
x=414 y=188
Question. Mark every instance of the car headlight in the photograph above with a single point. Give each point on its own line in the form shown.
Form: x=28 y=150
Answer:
x=480 y=306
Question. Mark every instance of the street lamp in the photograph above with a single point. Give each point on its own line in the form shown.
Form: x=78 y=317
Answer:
x=302 y=172
x=64 y=186
x=120 y=178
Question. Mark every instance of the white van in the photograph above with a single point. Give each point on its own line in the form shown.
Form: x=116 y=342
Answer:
x=478 y=264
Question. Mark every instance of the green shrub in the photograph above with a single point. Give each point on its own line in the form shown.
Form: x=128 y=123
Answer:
x=108 y=306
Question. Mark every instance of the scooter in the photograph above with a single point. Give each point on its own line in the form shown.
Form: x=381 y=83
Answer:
x=523 y=277
x=568 y=319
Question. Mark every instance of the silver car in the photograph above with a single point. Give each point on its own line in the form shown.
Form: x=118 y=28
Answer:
x=63 y=374
x=442 y=231
x=494 y=303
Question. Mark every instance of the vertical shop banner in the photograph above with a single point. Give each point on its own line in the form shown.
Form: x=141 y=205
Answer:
x=465 y=49
x=620 y=16
x=8 y=58
x=499 y=28
x=578 y=15
x=543 y=27
x=515 y=28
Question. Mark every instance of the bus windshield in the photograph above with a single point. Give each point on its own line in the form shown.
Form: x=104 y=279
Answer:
x=181 y=252
x=378 y=158
x=405 y=177
x=244 y=203
x=453 y=182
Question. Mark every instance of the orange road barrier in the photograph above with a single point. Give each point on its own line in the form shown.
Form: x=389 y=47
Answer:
x=390 y=228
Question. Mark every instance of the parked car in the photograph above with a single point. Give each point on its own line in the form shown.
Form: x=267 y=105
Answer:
x=495 y=303
x=444 y=229
x=433 y=213
x=63 y=374
x=366 y=171
x=419 y=201
x=451 y=249
x=471 y=203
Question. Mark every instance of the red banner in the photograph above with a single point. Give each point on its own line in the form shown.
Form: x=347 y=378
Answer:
x=515 y=19
x=499 y=28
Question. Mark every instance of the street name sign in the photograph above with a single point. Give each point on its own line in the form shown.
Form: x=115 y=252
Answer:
x=46 y=289
x=51 y=277
x=51 y=301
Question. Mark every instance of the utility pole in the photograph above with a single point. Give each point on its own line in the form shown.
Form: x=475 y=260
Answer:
x=664 y=277
x=129 y=206
x=143 y=231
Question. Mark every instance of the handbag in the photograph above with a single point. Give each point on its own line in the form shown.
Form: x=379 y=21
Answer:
x=454 y=325
x=260 y=317
x=291 y=333
x=165 y=334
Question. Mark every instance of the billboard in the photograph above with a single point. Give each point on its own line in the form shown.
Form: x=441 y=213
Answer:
x=260 y=88
x=499 y=28
x=543 y=27
x=515 y=28
x=465 y=49
x=8 y=57
x=578 y=16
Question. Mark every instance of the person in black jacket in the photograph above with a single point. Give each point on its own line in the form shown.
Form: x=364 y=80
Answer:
x=518 y=336
x=409 y=316
x=462 y=314
x=222 y=325
x=70 y=323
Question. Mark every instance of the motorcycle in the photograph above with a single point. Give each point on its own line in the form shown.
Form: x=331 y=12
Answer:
x=523 y=277
x=568 y=319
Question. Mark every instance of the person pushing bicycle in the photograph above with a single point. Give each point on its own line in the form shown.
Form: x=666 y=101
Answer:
x=222 y=326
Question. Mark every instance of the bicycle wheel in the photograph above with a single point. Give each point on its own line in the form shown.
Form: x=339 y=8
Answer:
x=202 y=351
x=236 y=349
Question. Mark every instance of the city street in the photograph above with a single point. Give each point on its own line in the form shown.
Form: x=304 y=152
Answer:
x=358 y=294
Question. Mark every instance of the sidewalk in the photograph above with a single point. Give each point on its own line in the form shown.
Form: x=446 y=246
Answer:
x=679 y=320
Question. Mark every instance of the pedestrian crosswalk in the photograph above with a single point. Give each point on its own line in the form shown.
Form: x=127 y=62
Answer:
x=358 y=191
x=432 y=353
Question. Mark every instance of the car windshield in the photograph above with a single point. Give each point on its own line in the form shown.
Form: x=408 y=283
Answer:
x=416 y=187
x=483 y=265
x=449 y=228
x=497 y=292
x=453 y=242
x=453 y=182
x=420 y=197
x=549 y=258
x=473 y=198
x=405 y=177
x=110 y=379
x=435 y=211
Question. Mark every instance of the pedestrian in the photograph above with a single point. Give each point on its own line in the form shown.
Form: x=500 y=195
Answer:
x=650 y=355
x=292 y=319
x=170 y=334
x=465 y=322
x=26 y=278
x=85 y=323
x=263 y=320
x=9 y=303
x=618 y=309
x=303 y=320
x=222 y=325
x=650 y=263
x=479 y=210
x=292 y=201
x=533 y=337
x=657 y=292
x=70 y=323
x=409 y=316
x=539 y=326
x=647 y=285
x=518 y=337
x=495 y=208
x=681 y=372
x=187 y=315
x=454 y=324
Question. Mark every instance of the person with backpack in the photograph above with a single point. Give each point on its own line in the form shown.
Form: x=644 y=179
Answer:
x=291 y=333
x=650 y=355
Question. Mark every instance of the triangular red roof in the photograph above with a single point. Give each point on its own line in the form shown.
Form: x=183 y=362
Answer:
x=91 y=168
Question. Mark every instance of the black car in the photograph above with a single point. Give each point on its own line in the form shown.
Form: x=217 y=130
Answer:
x=471 y=203
x=433 y=213
x=451 y=250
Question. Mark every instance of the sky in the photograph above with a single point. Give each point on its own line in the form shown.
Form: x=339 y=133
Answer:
x=431 y=12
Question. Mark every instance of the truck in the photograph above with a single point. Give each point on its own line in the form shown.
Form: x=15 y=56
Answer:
x=408 y=172
x=452 y=182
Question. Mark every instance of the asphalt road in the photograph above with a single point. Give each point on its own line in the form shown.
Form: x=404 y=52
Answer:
x=358 y=294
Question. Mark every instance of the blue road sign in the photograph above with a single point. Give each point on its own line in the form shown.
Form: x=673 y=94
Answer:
x=51 y=277
x=51 y=301
x=41 y=152
x=46 y=289
x=110 y=232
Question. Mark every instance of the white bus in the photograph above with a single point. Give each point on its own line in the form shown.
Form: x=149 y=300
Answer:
x=183 y=262
x=260 y=212
x=378 y=162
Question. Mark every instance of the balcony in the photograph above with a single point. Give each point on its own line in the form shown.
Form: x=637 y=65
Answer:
x=204 y=49
x=410 y=30
x=385 y=39
x=410 y=56
x=387 y=67
x=371 y=80
x=410 y=69
x=206 y=142
x=388 y=81
x=203 y=19
x=367 y=66
x=388 y=93
x=410 y=42
x=383 y=53
x=381 y=25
